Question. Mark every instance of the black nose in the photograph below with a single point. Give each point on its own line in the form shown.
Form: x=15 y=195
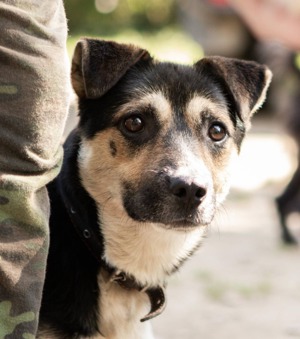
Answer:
x=190 y=193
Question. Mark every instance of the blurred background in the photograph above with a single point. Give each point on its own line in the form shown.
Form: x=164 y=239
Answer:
x=245 y=280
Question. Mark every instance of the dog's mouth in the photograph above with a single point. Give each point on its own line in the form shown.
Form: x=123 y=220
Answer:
x=169 y=211
x=200 y=218
x=173 y=222
x=173 y=198
x=185 y=223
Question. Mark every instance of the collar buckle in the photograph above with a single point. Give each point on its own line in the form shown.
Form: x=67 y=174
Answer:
x=156 y=295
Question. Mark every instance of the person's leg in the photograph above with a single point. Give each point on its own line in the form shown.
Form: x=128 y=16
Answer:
x=34 y=95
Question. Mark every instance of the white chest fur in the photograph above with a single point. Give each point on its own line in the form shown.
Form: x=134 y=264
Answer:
x=147 y=251
x=121 y=311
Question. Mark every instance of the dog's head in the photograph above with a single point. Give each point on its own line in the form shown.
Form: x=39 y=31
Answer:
x=158 y=139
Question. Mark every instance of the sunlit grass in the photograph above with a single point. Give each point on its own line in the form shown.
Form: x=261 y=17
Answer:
x=169 y=44
x=219 y=289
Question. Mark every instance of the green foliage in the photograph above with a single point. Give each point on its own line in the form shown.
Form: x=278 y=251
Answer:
x=297 y=61
x=104 y=17
x=168 y=44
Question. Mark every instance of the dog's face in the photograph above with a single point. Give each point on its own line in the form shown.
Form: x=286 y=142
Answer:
x=159 y=138
x=163 y=155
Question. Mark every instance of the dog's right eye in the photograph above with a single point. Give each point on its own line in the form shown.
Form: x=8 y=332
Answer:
x=217 y=132
x=134 y=124
x=138 y=128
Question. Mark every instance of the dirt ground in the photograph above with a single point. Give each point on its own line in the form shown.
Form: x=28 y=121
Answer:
x=243 y=283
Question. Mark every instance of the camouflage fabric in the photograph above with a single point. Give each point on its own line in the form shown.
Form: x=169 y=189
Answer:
x=34 y=87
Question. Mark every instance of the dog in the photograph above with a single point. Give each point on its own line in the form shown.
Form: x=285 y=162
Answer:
x=143 y=175
x=289 y=200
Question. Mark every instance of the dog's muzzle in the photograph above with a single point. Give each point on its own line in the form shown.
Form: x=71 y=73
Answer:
x=175 y=201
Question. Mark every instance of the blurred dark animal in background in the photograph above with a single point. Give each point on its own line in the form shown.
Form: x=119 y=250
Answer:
x=289 y=200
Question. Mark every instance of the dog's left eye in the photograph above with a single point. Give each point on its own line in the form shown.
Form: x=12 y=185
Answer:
x=134 y=124
x=217 y=132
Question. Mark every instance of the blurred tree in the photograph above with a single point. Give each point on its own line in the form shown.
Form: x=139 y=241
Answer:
x=102 y=17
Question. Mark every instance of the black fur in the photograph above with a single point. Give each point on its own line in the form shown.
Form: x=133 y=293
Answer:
x=71 y=293
x=289 y=201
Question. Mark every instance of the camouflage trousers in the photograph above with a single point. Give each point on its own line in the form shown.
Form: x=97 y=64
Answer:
x=34 y=95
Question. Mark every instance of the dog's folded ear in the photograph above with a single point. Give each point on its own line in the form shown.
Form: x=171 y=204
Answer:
x=98 y=65
x=244 y=83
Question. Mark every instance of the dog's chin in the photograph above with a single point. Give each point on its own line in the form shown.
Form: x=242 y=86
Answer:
x=185 y=224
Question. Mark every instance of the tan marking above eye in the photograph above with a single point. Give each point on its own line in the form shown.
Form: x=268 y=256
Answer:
x=199 y=104
x=155 y=100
